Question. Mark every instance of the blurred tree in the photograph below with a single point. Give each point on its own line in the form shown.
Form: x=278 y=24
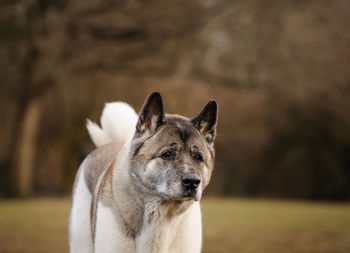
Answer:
x=306 y=156
x=24 y=28
x=268 y=64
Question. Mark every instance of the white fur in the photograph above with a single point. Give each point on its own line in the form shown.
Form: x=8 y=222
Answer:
x=179 y=234
x=79 y=226
x=188 y=236
x=109 y=238
x=182 y=234
x=118 y=123
x=162 y=187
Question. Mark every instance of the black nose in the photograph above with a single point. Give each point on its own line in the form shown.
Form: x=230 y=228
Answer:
x=190 y=181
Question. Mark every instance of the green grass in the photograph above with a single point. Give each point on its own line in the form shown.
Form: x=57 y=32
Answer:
x=230 y=225
x=275 y=226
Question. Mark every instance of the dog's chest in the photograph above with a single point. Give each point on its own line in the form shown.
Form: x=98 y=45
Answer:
x=110 y=234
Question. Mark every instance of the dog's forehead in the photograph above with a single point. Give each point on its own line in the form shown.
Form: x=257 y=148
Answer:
x=179 y=129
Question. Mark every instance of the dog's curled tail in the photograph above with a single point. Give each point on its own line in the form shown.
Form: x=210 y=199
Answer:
x=118 y=122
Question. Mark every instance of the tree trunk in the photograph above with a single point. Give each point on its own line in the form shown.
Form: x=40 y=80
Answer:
x=26 y=149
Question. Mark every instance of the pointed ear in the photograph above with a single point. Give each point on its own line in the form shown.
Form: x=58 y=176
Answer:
x=206 y=121
x=151 y=115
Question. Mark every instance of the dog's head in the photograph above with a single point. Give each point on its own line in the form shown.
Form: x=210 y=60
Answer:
x=173 y=156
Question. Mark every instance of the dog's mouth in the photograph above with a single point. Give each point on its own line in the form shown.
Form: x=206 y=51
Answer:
x=186 y=196
x=191 y=195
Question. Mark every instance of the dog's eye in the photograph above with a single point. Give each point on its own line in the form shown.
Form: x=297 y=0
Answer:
x=198 y=157
x=167 y=155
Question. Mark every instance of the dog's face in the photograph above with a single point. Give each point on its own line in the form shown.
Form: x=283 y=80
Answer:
x=173 y=156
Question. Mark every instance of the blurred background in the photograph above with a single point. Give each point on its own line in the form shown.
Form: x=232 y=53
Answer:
x=279 y=70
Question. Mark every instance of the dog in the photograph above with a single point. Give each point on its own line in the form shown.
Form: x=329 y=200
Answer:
x=139 y=191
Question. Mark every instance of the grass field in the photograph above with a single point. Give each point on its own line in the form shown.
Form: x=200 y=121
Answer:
x=230 y=225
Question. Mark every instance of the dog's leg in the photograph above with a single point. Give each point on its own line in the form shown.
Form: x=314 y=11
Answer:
x=80 y=240
x=109 y=237
x=188 y=237
x=154 y=236
x=164 y=234
x=153 y=239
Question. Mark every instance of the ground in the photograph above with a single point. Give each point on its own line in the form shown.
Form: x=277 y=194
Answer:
x=230 y=225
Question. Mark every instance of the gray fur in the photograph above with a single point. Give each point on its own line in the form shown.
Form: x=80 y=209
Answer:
x=139 y=182
x=178 y=133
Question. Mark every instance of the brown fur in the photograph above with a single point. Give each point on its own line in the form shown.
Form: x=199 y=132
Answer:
x=180 y=132
x=144 y=181
x=99 y=170
x=99 y=161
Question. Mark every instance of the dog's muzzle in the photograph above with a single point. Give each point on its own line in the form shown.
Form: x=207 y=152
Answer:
x=190 y=183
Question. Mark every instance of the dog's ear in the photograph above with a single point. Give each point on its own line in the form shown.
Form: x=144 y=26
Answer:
x=151 y=115
x=206 y=121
